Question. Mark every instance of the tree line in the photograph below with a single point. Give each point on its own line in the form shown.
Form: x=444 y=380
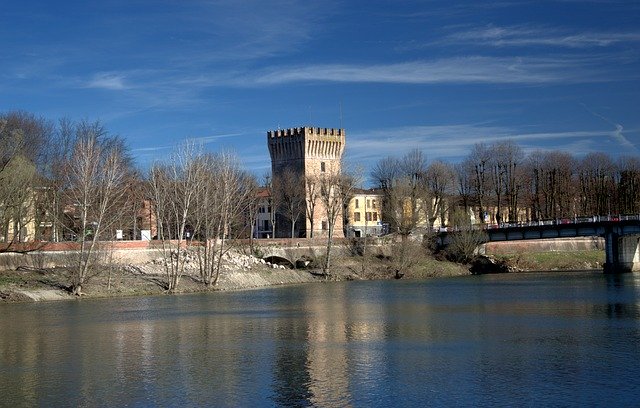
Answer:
x=498 y=183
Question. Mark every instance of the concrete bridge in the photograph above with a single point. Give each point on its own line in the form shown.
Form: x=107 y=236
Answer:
x=621 y=235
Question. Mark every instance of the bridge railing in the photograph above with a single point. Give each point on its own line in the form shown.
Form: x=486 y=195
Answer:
x=557 y=221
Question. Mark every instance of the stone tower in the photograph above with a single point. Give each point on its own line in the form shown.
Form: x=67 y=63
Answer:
x=310 y=152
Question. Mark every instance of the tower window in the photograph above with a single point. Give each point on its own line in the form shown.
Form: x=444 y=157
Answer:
x=357 y=203
x=322 y=167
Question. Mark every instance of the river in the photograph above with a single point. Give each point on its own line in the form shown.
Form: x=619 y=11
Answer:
x=543 y=339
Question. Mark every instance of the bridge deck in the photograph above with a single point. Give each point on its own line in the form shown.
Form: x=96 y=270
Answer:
x=564 y=230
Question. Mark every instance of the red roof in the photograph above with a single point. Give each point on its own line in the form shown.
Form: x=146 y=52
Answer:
x=263 y=192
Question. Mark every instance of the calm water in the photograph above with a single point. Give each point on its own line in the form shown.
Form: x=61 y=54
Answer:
x=503 y=340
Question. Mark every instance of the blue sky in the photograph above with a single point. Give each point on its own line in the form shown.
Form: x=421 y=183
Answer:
x=436 y=75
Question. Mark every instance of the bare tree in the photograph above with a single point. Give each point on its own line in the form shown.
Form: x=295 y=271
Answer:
x=439 y=179
x=174 y=188
x=253 y=204
x=24 y=139
x=498 y=183
x=504 y=164
x=478 y=162
x=335 y=187
x=17 y=199
x=224 y=199
x=54 y=176
x=11 y=143
x=273 y=202
x=93 y=184
x=629 y=185
x=512 y=156
x=464 y=184
x=132 y=205
x=312 y=187
x=401 y=180
x=290 y=196
x=465 y=239
x=596 y=177
x=24 y=134
x=550 y=177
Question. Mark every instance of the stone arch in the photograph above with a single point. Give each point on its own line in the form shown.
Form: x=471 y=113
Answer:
x=279 y=260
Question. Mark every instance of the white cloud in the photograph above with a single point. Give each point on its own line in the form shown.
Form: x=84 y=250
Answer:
x=540 y=36
x=106 y=80
x=453 y=142
x=477 y=69
x=150 y=149
x=622 y=139
x=213 y=138
x=616 y=134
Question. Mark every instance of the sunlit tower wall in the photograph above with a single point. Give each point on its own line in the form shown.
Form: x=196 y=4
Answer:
x=311 y=152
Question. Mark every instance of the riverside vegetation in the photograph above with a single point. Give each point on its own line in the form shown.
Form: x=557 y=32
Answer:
x=144 y=276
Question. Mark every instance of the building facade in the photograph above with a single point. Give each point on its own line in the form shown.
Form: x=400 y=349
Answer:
x=311 y=153
x=365 y=214
x=263 y=227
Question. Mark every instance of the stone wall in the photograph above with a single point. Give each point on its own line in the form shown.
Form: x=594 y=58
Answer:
x=543 y=245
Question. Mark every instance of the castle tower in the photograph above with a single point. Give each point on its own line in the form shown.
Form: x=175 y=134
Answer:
x=310 y=152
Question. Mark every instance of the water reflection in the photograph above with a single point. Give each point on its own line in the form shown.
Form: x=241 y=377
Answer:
x=544 y=339
x=314 y=364
x=623 y=292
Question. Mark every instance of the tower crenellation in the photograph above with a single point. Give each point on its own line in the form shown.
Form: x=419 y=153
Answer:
x=294 y=147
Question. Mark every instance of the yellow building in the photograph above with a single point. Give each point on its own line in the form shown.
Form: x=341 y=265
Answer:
x=365 y=213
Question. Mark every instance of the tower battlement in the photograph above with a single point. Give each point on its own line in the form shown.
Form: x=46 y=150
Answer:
x=287 y=146
x=305 y=131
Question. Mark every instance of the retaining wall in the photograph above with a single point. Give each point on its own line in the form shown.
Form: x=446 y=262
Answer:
x=543 y=245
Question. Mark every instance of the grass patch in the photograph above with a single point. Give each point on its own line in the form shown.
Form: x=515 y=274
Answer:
x=556 y=260
x=10 y=279
x=430 y=267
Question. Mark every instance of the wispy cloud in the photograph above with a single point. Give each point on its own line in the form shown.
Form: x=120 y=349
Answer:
x=478 y=69
x=212 y=138
x=518 y=36
x=157 y=88
x=453 y=142
x=107 y=80
x=150 y=149
x=616 y=134
x=233 y=31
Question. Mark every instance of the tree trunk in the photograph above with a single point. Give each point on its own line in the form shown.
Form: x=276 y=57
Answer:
x=327 y=261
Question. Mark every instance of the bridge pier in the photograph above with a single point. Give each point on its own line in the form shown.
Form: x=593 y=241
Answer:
x=622 y=252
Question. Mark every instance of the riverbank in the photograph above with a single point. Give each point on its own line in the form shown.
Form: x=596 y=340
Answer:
x=142 y=275
x=138 y=272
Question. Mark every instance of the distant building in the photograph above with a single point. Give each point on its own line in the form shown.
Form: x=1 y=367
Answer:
x=146 y=227
x=310 y=152
x=364 y=216
x=263 y=218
